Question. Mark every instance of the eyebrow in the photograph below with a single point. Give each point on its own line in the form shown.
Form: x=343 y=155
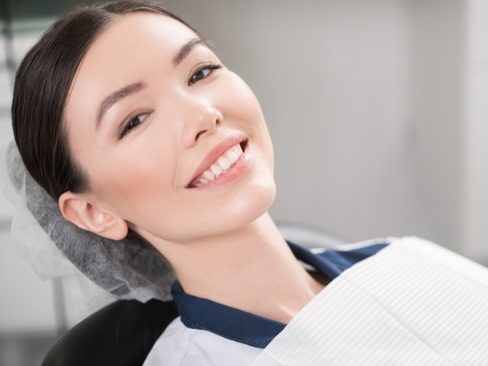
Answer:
x=133 y=88
x=187 y=47
x=117 y=95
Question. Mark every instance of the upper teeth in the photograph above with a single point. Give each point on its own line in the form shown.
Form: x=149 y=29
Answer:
x=222 y=164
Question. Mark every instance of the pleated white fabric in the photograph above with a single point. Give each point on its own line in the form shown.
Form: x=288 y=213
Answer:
x=413 y=303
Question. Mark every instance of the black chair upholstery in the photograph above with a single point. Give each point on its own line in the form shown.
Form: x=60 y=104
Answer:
x=120 y=334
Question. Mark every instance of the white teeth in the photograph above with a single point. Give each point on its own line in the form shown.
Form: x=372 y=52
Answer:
x=232 y=156
x=223 y=163
x=208 y=175
x=217 y=170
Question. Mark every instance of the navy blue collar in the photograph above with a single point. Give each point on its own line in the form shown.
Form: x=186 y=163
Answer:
x=252 y=329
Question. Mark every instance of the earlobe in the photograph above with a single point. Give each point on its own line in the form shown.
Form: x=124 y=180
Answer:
x=88 y=216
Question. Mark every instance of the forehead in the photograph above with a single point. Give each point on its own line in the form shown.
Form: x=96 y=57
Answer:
x=128 y=49
x=142 y=28
x=136 y=34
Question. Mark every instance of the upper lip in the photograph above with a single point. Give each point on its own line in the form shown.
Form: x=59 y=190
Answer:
x=214 y=154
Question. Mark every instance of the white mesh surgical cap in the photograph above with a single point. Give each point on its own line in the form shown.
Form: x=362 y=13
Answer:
x=128 y=269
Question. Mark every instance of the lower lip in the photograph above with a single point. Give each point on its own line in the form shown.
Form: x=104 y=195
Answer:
x=235 y=172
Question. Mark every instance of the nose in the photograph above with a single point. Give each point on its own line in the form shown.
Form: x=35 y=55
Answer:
x=202 y=118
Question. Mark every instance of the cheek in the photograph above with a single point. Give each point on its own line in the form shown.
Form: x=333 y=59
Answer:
x=133 y=175
x=241 y=99
x=249 y=111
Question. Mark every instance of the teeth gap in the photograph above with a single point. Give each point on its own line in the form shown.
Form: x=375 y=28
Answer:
x=243 y=144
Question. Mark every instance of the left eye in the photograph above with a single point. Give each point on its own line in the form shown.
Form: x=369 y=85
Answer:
x=132 y=123
x=202 y=73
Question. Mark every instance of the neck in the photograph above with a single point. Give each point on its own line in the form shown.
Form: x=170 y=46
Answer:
x=252 y=269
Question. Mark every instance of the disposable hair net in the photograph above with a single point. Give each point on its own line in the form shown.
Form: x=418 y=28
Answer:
x=126 y=269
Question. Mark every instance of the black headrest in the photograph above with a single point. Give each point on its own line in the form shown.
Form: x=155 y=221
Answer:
x=120 y=334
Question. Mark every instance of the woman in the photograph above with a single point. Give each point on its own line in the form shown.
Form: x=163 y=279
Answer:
x=125 y=115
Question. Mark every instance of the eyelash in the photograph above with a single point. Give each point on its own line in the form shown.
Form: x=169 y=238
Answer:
x=210 y=67
x=127 y=127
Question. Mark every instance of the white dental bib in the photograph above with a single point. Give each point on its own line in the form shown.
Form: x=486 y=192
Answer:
x=413 y=303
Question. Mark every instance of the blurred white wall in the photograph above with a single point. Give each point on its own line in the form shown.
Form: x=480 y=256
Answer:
x=377 y=110
x=26 y=302
x=476 y=141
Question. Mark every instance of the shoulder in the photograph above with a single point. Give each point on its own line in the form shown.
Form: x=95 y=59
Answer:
x=336 y=259
x=179 y=345
x=333 y=260
x=357 y=251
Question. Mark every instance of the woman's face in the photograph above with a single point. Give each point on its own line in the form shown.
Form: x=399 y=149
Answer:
x=147 y=106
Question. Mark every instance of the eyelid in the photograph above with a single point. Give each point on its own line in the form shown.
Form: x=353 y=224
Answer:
x=202 y=66
x=122 y=128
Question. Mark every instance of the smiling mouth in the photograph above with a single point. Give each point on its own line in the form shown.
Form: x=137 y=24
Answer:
x=221 y=165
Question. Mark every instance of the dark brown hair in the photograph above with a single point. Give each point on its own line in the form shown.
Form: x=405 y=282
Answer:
x=42 y=85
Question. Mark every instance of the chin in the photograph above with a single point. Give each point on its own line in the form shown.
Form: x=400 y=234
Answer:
x=258 y=199
x=232 y=214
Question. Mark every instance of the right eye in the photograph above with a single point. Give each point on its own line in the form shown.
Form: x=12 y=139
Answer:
x=132 y=123
x=203 y=72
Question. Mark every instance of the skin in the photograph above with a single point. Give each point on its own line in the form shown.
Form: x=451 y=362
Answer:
x=221 y=242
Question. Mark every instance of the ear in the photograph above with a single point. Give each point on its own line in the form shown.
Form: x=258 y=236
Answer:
x=87 y=215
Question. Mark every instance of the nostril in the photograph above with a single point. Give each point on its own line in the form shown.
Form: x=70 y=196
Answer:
x=198 y=134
